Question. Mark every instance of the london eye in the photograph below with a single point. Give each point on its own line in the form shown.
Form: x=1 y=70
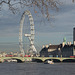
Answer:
x=30 y=35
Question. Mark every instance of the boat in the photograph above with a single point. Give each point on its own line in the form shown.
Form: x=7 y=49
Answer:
x=49 y=62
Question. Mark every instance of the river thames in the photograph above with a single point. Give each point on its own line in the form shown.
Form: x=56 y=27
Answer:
x=13 y=68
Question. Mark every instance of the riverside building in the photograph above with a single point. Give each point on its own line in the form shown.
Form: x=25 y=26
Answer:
x=57 y=50
x=61 y=50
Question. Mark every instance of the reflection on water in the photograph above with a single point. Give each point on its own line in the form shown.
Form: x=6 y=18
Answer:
x=37 y=69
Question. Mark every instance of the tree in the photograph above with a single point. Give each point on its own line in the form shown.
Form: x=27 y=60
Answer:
x=43 y=5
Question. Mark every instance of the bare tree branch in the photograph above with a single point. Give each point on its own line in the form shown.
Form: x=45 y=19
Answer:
x=43 y=5
x=73 y=1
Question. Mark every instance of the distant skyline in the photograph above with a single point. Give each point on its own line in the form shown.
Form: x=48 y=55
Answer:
x=47 y=32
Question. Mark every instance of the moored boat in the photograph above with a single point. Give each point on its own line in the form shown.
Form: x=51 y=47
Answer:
x=49 y=62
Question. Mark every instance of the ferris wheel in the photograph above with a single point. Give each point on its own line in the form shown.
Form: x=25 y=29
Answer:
x=30 y=36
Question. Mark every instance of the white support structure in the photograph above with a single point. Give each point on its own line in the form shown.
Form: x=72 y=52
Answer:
x=30 y=36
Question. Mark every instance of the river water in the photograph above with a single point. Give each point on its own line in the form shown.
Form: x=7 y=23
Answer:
x=37 y=69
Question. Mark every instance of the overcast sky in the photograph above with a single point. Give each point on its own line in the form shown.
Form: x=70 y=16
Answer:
x=60 y=25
